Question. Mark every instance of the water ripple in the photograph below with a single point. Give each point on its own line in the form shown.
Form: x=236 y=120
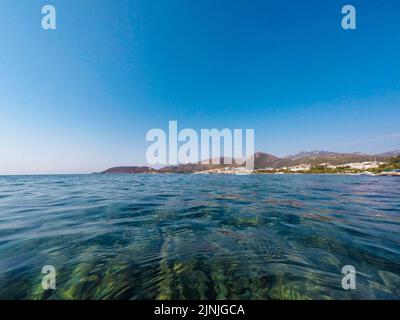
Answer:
x=199 y=237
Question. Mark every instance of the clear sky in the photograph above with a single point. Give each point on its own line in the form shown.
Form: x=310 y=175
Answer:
x=81 y=98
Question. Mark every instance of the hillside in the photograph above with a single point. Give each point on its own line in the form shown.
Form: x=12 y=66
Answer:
x=264 y=160
x=333 y=158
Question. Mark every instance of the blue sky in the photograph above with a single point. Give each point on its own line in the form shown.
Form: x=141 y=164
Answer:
x=81 y=98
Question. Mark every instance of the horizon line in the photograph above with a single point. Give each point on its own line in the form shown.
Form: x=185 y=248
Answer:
x=161 y=166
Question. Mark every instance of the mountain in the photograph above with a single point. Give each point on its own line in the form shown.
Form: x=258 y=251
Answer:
x=390 y=154
x=314 y=154
x=334 y=158
x=201 y=166
x=264 y=160
x=261 y=160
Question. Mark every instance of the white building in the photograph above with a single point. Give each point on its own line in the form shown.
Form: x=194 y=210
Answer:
x=301 y=167
x=363 y=165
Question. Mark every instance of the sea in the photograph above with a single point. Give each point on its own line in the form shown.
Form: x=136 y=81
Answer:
x=184 y=236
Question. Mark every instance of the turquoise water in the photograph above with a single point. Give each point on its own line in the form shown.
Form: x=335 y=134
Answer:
x=199 y=236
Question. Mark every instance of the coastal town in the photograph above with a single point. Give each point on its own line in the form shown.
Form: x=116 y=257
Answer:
x=355 y=168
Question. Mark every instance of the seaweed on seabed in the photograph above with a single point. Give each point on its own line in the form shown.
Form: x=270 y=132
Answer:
x=294 y=284
x=264 y=252
x=118 y=281
x=92 y=278
x=102 y=272
x=228 y=284
x=238 y=278
x=60 y=261
x=183 y=273
x=309 y=287
x=127 y=272
x=70 y=283
x=14 y=287
x=85 y=277
x=167 y=282
x=126 y=277
x=248 y=286
x=229 y=273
